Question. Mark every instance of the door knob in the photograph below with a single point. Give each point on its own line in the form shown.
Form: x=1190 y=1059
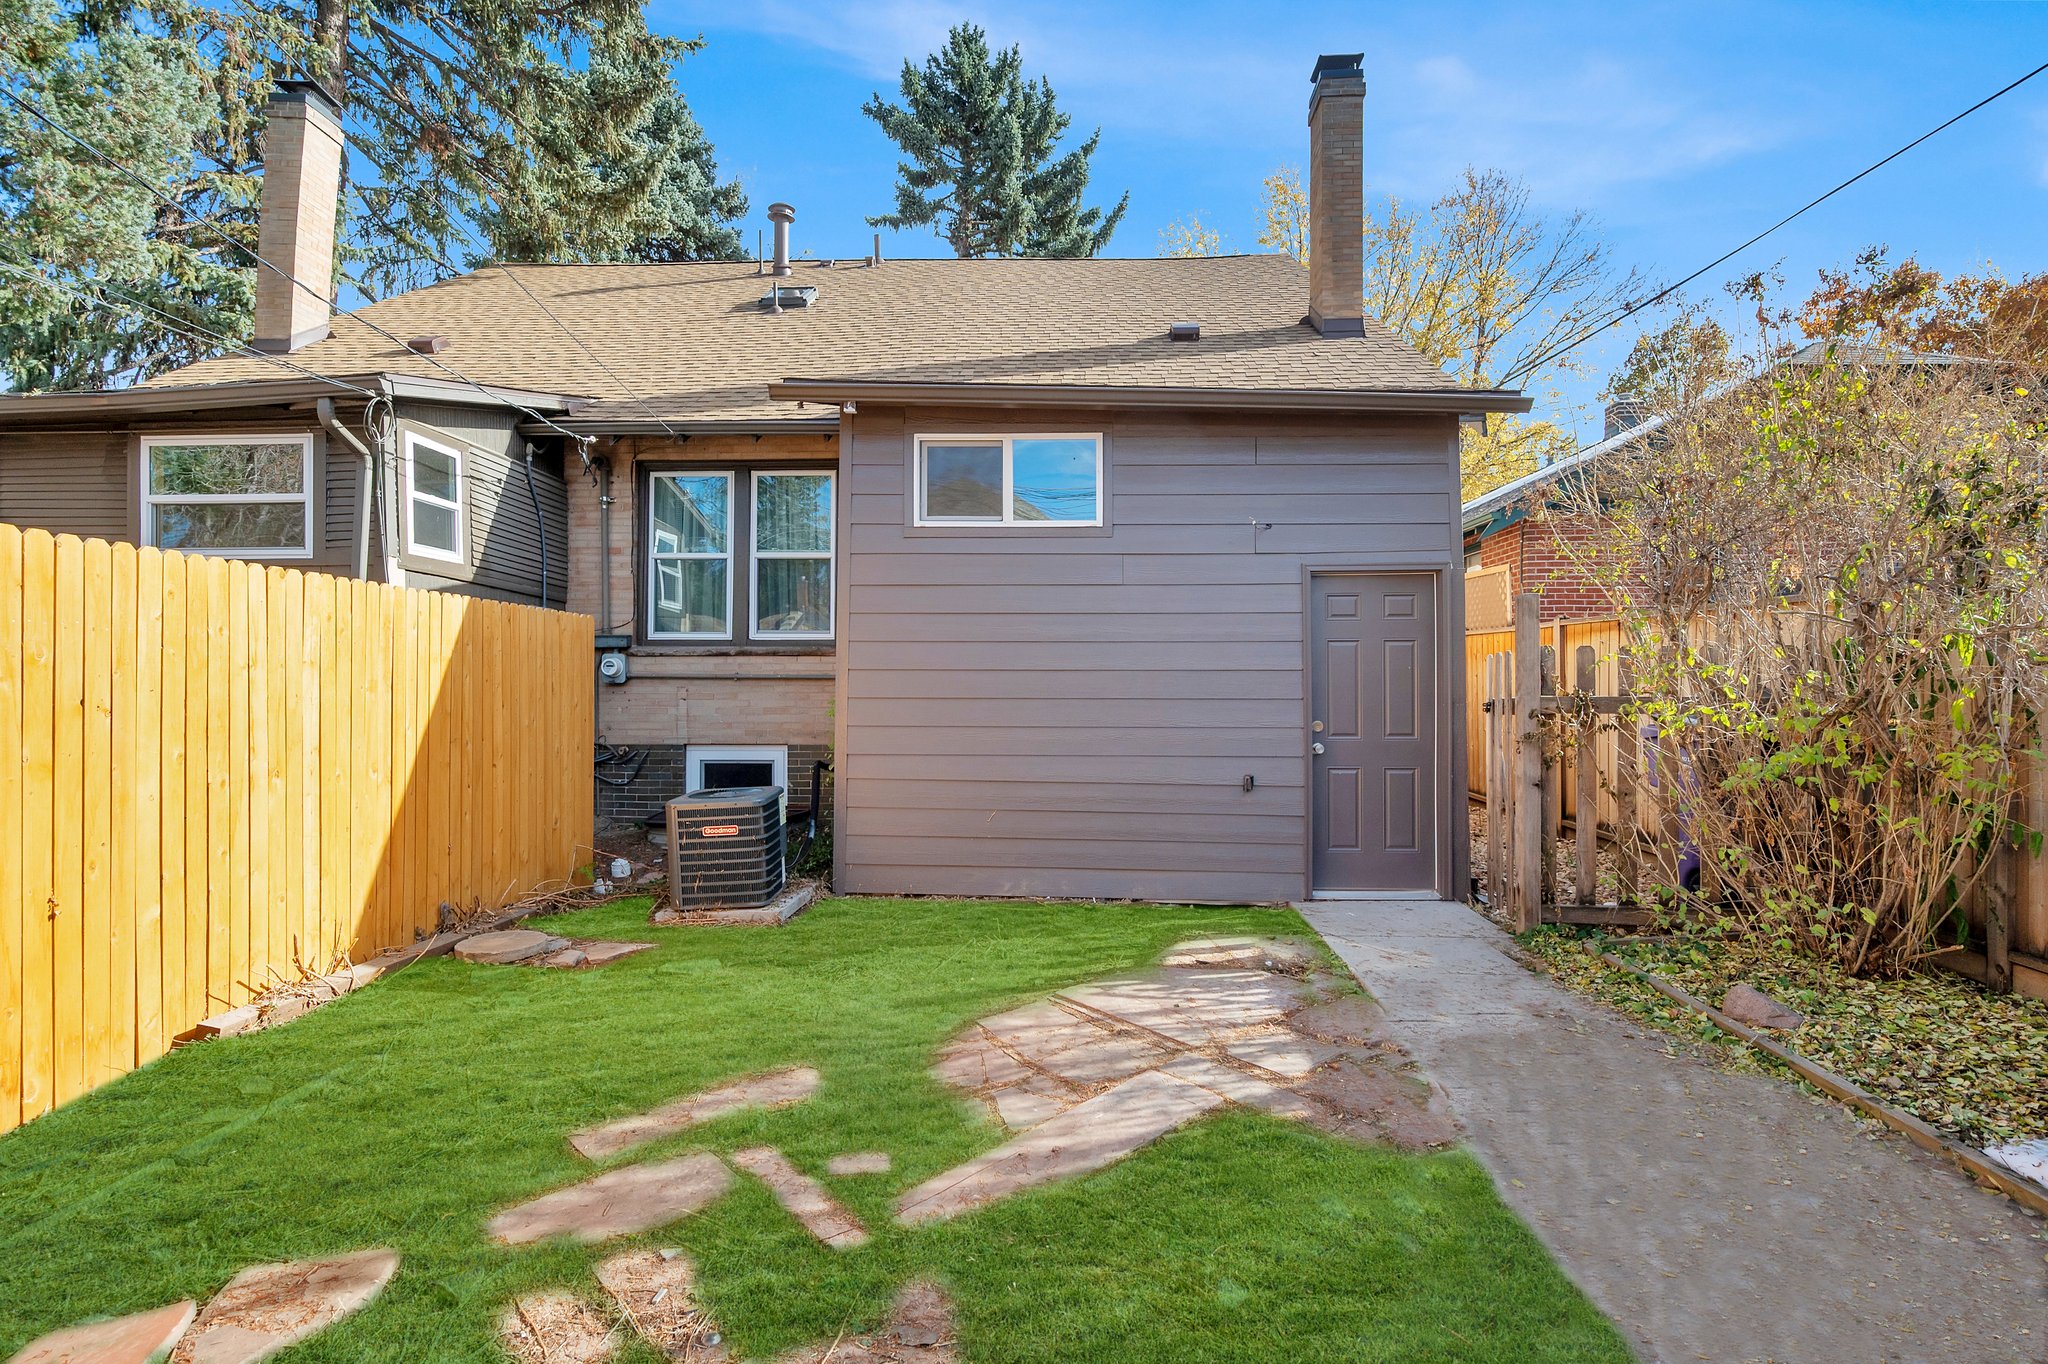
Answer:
x=1316 y=748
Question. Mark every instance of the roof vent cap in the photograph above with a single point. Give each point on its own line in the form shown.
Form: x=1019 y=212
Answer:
x=427 y=345
x=785 y=296
x=1184 y=331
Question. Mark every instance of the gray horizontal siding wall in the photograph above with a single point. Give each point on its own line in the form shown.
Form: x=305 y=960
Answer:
x=1073 y=713
x=88 y=482
x=502 y=541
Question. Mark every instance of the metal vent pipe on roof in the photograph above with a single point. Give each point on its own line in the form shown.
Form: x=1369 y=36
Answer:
x=782 y=215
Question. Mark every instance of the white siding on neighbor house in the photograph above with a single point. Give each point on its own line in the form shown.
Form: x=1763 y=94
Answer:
x=1072 y=712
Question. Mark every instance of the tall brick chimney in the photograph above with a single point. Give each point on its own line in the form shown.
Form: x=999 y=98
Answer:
x=301 y=186
x=1336 y=195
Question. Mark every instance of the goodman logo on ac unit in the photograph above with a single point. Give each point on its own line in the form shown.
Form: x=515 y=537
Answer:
x=719 y=831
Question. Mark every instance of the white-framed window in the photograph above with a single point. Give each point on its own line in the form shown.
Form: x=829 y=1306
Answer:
x=689 y=569
x=790 y=548
x=721 y=767
x=433 y=499
x=1020 y=480
x=234 y=495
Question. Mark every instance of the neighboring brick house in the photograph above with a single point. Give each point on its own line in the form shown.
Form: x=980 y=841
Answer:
x=1521 y=537
x=1130 y=579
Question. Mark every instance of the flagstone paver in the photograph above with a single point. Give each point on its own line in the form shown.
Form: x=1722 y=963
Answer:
x=1094 y=1133
x=507 y=946
x=656 y=1292
x=919 y=1330
x=1031 y=1103
x=135 y=1339
x=556 y=1328
x=1195 y=1007
x=859 y=1163
x=603 y=952
x=1248 y=1090
x=803 y=1198
x=266 y=1308
x=619 y=1202
x=1287 y=954
x=777 y=1089
x=977 y=1061
x=1282 y=1051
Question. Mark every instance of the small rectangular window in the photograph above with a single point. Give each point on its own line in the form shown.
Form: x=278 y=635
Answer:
x=1009 y=480
x=690 y=560
x=433 y=504
x=229 y=495
x=792 y=555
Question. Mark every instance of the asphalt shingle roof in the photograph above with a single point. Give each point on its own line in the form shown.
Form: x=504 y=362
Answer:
x=691 y=341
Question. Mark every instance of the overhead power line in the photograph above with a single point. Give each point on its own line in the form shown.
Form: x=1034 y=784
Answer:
x=214 y=227
x=1529 y=367
x=191 y=331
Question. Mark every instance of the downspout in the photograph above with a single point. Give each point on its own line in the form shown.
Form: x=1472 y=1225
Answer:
x=364 y=484
x=540 y=524
x=603 y=464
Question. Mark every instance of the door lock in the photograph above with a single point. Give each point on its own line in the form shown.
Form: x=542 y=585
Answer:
x=1316 y=749
x=1316 y=725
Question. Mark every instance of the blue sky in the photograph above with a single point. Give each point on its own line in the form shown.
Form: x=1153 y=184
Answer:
x=1683 y=128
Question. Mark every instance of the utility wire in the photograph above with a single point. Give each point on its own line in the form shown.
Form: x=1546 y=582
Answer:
x=1529 y=367
x=132 y=307
x=213 y=227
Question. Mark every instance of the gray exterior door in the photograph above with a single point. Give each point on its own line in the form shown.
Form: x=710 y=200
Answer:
x=1373 y=718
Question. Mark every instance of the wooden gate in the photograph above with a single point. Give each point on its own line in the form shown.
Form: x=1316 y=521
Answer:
x=1547 y=752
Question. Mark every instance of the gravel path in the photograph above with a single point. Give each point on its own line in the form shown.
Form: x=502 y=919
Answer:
x=1712 y=1216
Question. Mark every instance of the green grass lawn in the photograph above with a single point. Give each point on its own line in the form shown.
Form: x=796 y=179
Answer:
x=408 y=1114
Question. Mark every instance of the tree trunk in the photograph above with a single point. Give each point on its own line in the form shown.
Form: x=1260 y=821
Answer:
x=330 y=37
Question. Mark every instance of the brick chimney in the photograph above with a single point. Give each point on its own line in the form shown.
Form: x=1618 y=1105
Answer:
x=301 y=186
x=1336 y=195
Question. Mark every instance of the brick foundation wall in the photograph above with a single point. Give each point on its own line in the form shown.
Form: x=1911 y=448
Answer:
x=664 y=775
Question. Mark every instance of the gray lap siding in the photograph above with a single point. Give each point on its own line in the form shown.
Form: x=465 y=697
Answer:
x=1038 y=711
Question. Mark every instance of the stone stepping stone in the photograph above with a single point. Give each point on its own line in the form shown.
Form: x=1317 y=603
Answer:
x=1282 y=1051
x=919 y=1330
x=1239 y=1087
x=655 y=1291
x=135 y=1339
x=1089 y=1136
x=1031 y=1103
x=777 y=1089
x=508 y=946
x=1193 y=1007
x=1103 y=1057
x=859 y=1163
x=556 y=1328
x=619 y=1202
x=976 y=1062
x=603 y=952
x=267 y=1308
x=1251 y=954
x=803 y=1198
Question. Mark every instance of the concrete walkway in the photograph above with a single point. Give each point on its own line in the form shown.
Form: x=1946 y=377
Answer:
x=1712 y=1216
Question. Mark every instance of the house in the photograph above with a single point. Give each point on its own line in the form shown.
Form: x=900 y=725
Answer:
x=1092 y=578
x=1527 y=536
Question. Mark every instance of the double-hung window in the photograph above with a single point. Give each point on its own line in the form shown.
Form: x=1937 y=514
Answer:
x=792 y=552
x=1009 y=480
x=433 y=500
x=229 y=495
x=690 y=547
x=740 y=555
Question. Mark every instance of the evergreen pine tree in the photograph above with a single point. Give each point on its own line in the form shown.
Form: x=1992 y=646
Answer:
x=478 y=129
x=981 y=165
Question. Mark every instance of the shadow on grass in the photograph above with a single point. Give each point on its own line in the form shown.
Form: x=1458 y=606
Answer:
x=407 y=1115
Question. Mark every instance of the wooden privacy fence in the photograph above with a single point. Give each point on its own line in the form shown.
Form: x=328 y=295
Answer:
x=1608 y=780
x=216 y=777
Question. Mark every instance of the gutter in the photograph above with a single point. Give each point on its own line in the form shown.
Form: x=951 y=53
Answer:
x=1447 y=401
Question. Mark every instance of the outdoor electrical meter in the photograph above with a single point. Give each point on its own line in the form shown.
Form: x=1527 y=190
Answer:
x=611 y=658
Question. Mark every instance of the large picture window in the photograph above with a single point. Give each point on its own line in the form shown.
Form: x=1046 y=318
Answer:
x=229 y=495
x=1009 y=480
x=433 y=499
x=792 y=554
x=740 y=555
